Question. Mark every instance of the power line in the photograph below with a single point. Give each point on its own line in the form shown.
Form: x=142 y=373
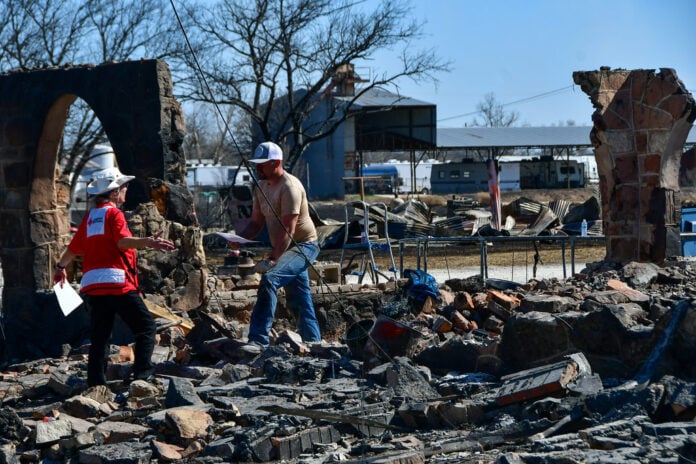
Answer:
x=204 y=82
x=245 y=161
x=522 y=100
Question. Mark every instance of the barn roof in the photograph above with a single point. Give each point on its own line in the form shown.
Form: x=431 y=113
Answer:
x=378 y=98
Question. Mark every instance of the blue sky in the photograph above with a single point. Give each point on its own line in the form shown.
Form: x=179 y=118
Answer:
x=522 y=49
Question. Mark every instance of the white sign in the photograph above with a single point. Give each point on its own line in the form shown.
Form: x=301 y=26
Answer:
x=68 y=298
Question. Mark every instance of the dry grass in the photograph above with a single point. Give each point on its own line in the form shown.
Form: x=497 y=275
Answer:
x=453 y=256
x=508 y=254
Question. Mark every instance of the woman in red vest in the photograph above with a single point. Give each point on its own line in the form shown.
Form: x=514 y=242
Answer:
x=109 y=275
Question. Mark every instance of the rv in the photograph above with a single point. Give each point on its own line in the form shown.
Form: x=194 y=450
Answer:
x=468 y=176
x=206 y=176
x=545 y=172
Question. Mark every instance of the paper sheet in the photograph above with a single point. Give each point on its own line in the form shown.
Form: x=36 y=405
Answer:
x=68 y=298
x=234 y=238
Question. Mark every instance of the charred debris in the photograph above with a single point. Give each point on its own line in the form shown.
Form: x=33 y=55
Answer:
x=594 y=368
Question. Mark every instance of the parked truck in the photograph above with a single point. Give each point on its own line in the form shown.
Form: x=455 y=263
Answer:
x=222 y=193
x=414 y=178
x=401 y=175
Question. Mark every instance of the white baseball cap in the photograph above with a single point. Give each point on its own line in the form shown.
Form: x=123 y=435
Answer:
x=267 y=151
x=107 y=180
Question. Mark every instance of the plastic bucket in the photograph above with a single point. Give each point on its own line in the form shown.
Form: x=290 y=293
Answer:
x=394 y=338
x=356 y=337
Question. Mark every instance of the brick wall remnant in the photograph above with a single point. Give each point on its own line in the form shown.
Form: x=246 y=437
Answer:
x=641 y=122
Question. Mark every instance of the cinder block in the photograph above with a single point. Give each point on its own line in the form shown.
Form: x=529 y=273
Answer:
x=329 y=272
x=332 y=274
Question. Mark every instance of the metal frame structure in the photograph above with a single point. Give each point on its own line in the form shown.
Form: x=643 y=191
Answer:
x=367 y=243
x=422 y=245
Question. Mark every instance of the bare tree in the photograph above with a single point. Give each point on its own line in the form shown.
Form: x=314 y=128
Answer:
x=126 y=29
x=275 y=60
x=114 y=30
x=206 y=136
x=40 y=33
x=493 y=113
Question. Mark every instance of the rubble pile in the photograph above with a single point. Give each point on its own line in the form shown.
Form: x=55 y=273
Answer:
x=595 y=368
x=412 y=218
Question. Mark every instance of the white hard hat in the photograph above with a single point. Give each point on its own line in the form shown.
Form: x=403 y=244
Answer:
x=107 y=180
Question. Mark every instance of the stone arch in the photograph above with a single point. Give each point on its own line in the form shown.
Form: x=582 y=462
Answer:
x=144 y=123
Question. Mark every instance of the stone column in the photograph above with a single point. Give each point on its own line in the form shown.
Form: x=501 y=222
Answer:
x=641 y=122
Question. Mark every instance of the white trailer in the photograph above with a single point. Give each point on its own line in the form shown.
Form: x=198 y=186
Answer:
x=509 y=175
x=405 y=180
x=589 y=163
x=209 y=176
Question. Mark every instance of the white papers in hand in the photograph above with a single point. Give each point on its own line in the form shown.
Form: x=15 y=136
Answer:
x=233 y=237
x=68 y=298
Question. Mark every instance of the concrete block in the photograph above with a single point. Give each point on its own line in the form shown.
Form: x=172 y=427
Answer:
x=330 y=273
x=48 y=433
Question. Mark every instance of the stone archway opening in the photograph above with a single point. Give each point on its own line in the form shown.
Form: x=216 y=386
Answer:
x=49 y=196
x=144 y=122
x=53 y=205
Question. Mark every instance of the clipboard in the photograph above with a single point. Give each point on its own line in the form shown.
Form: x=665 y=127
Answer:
x=68 y=298
x=234 y=238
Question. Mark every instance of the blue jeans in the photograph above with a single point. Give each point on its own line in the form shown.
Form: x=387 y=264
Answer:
x=290 y=272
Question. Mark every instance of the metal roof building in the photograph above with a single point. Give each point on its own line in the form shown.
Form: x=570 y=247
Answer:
x=376 y=98
x=384 y=121
x=478 y=138
x=378 y=121
x=387 y=121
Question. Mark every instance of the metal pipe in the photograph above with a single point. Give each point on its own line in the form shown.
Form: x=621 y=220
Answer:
x=401 y=259
x=482 y=245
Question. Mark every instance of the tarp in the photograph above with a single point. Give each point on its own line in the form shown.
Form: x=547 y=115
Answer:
x=421 y=284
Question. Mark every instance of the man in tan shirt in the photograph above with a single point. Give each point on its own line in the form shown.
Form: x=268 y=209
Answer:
x=280 y=202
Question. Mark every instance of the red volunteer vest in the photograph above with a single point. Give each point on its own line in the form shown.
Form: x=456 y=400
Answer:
x=104 y=269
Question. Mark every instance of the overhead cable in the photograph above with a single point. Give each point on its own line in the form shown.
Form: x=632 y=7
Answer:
x=522 y=100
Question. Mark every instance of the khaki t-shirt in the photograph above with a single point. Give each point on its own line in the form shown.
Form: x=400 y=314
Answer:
x=287 y=196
